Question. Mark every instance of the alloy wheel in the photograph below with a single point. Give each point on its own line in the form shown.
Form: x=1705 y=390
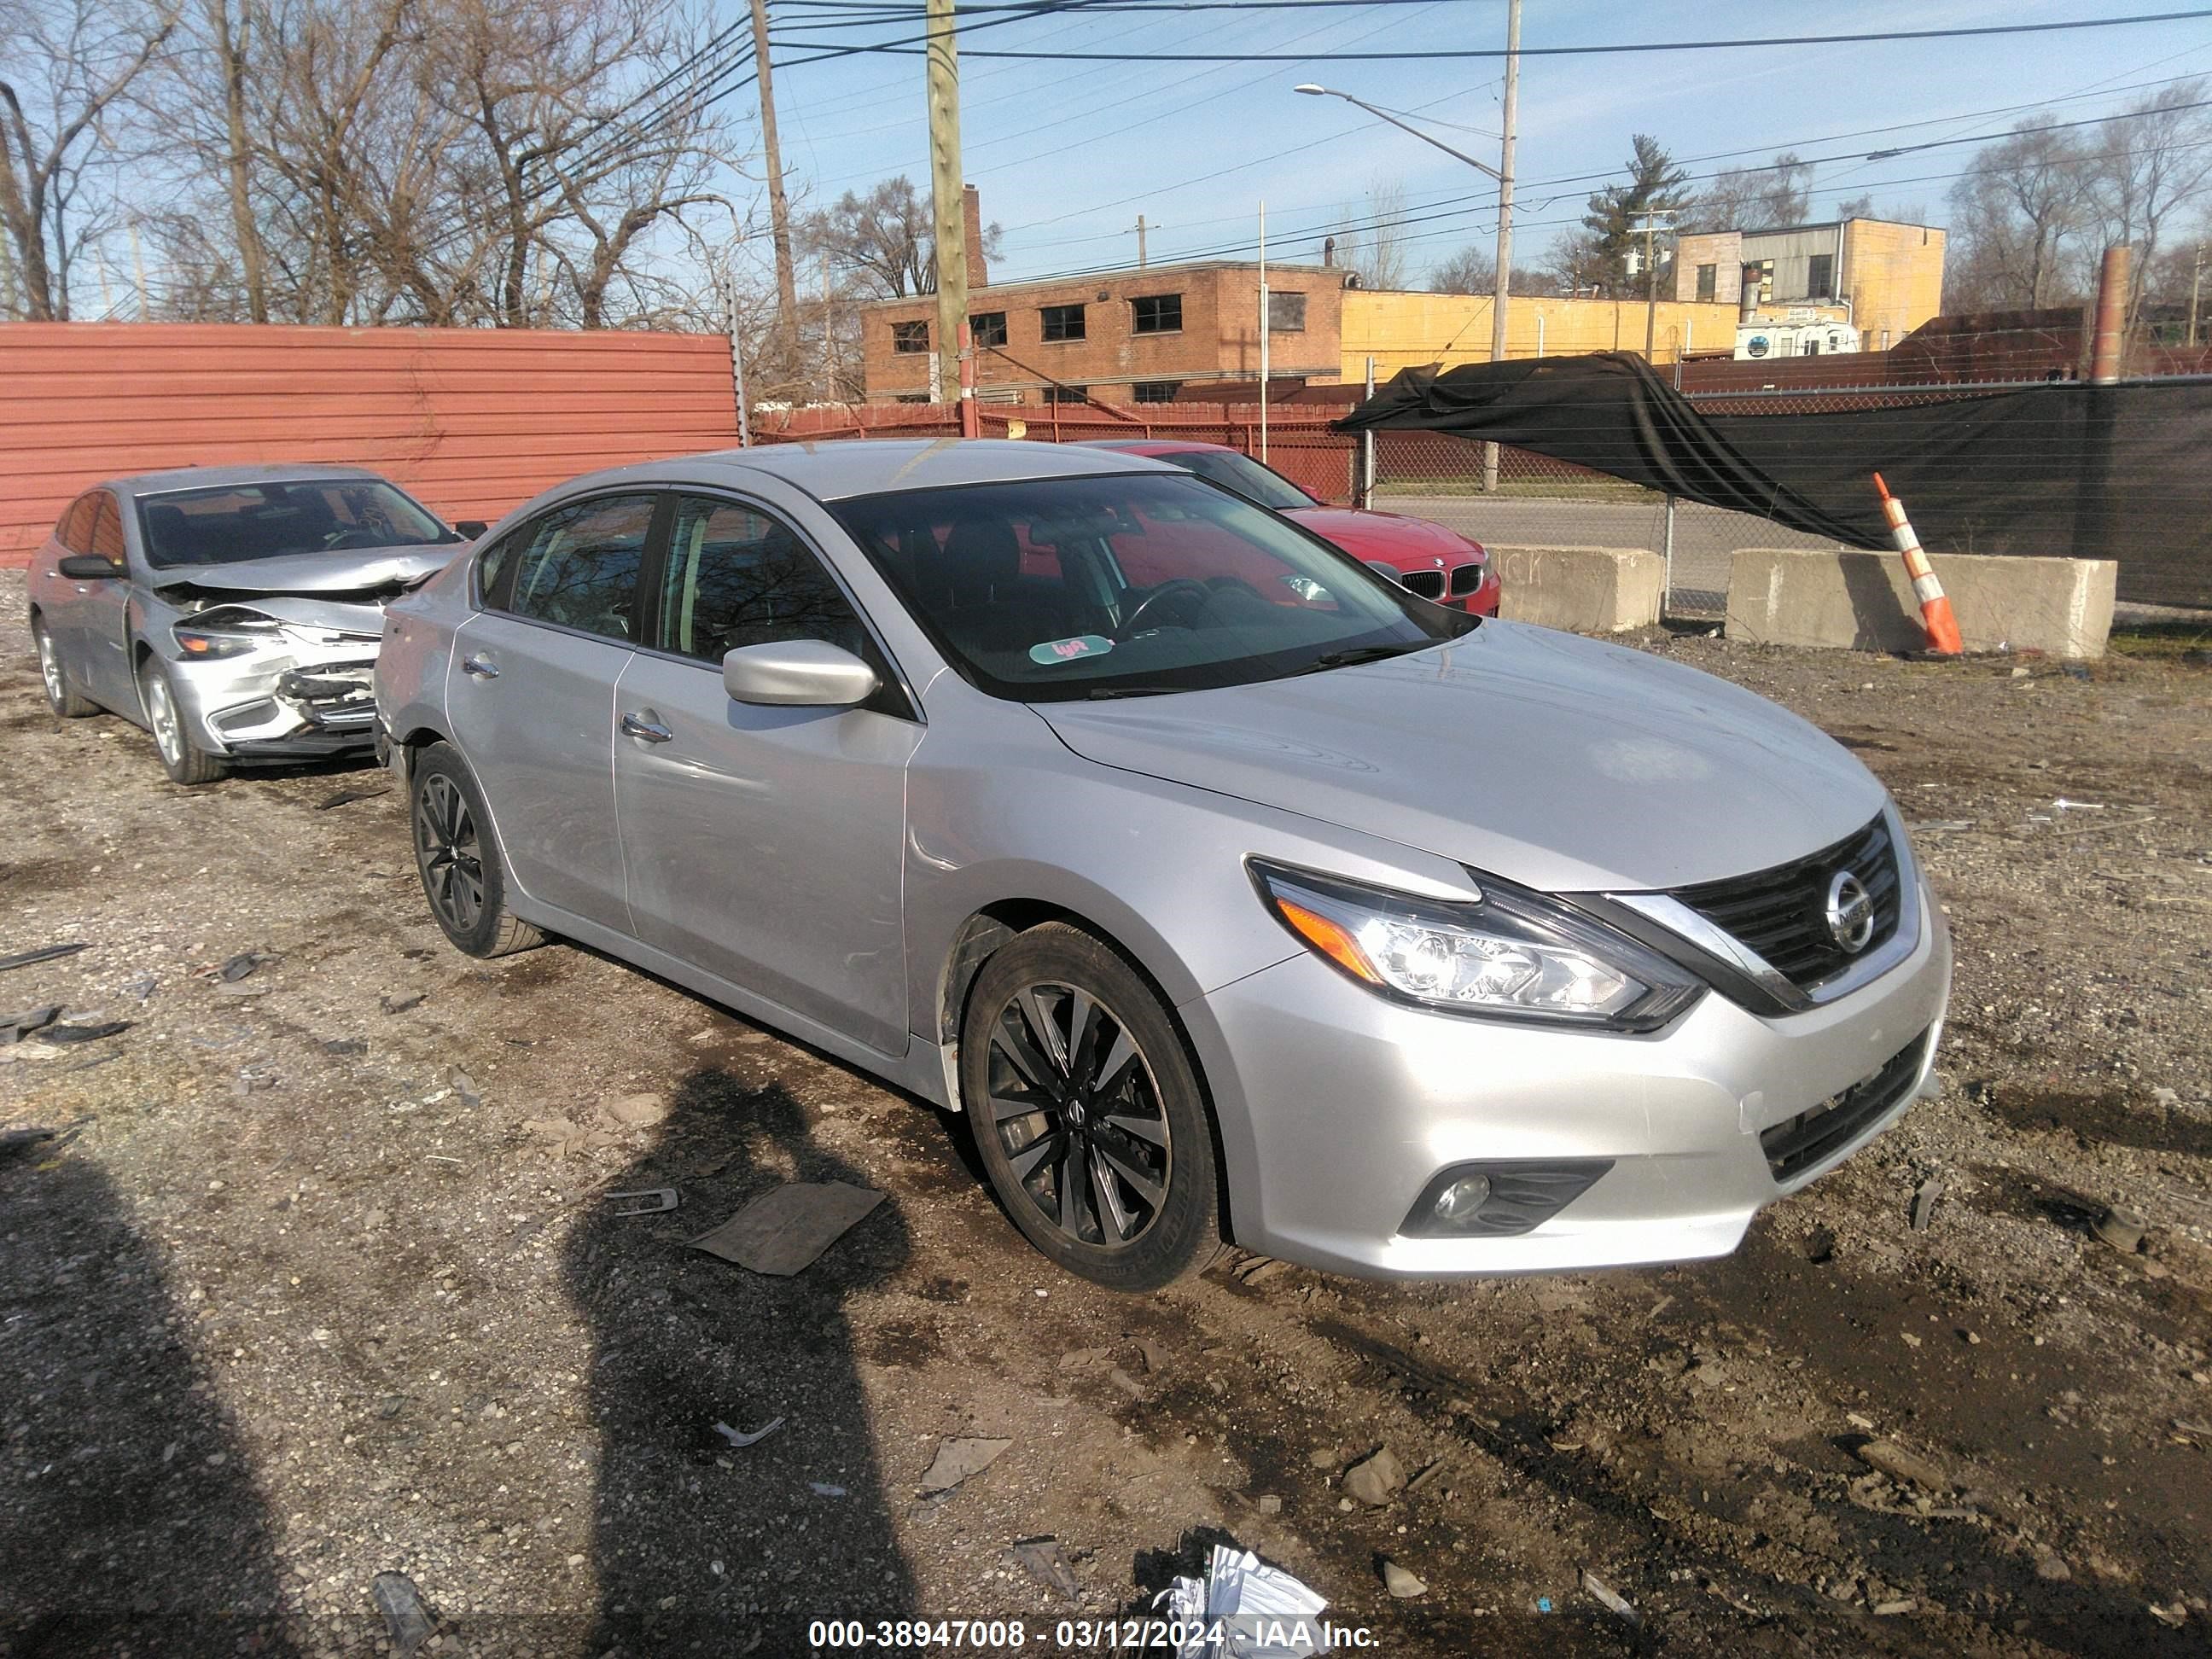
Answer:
x=161 y=713
x=1078 y=1115
x=452 y=863
x=50 y=667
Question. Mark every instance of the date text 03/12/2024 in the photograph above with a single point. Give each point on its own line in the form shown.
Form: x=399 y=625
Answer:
x=1263 y=1632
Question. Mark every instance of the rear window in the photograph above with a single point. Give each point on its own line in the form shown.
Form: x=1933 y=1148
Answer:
x=236 y=524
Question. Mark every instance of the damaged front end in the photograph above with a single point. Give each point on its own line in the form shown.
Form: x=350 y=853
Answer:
x=278 y=676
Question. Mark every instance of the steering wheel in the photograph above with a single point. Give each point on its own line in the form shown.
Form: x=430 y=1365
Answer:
x=350 y=538
x=1184 y=587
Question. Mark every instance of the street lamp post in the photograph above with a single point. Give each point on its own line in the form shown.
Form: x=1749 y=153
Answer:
x=1503 y=172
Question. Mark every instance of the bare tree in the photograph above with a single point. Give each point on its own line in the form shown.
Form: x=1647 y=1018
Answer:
x=1749 y=198
x=1474 y=270
x=883 y=242
x=2016 y=217
x=63 y=69
x=1373 y=247
x=2144 y=165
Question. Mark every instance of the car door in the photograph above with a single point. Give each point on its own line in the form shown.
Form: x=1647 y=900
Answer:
x=531 y=693
x=104 y=615
x=62 y=600
x=764 y=844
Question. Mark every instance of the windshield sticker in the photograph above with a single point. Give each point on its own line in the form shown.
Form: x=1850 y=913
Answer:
x=1083 y=645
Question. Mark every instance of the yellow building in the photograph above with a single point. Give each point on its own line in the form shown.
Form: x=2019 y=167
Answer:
x=1888 y=275
x=1414 y=331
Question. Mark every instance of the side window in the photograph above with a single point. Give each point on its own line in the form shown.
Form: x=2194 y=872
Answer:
x=579 y=567
x=107 y=529
x=736 y=577
x=493 y=564
x=75 y=528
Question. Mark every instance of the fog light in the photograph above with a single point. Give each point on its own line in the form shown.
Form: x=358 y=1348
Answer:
x=1457 y=1204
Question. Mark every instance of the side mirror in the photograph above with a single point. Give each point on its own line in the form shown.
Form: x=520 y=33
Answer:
x=798 y=674
x=470 y=529
x=90 y=567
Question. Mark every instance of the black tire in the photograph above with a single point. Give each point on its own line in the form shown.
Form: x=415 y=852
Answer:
x=1147 y=1208
x=61 y=696
x=464 y=876
x=184 y=761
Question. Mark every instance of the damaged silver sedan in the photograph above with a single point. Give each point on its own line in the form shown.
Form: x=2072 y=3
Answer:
x=234 y=612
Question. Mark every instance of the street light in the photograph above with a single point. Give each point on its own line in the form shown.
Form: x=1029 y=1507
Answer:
x=1503 y=172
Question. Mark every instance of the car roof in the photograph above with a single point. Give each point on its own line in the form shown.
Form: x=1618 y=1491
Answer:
x=216 y=477
x=839 y=468
x=1158 y=445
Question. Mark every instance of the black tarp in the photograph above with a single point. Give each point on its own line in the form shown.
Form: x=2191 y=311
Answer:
x=2122 y=472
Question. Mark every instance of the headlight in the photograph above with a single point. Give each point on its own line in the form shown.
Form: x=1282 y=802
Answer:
x=1509 y=953
x=226 y=630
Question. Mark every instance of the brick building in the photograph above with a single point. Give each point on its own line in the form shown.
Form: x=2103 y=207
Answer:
x=1137 y=336
x=1889 y=275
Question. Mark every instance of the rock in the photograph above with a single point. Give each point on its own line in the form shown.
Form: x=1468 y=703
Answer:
x=1374 y=1479
x=1400 y=1583
x=2049 y=1565
x=1900 y=1463
x=1084 y=1359
x=637 y=1111
x=957 y=1460
x=1271 y=1504
x=1324 y=1457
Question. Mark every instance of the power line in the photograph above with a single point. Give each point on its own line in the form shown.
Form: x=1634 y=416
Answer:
x=913 y=47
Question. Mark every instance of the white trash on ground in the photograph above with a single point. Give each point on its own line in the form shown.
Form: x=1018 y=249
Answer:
x=1262 y=1612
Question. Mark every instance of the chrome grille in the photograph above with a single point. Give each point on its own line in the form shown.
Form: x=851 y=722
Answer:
x=1465 y=579
x=1781 y=913
x=1428 y=584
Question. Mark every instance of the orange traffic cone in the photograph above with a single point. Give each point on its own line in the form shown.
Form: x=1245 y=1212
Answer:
x=1943 y=639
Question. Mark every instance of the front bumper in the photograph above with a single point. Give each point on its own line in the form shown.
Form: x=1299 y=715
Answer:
x=280 y=704
x=1338 y=1108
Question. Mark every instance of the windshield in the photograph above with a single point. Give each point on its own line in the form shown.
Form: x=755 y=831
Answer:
x=1122 y=585
x=233 y=523
x=1244 y=475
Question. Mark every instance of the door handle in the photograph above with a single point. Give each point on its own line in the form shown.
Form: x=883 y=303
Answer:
x=637 y=726
x=482 y=667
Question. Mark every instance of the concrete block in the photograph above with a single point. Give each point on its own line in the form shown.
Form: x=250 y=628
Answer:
x=1791 y=596
x=1588 y=590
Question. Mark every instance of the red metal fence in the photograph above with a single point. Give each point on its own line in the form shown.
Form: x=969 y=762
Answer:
x=471 y=420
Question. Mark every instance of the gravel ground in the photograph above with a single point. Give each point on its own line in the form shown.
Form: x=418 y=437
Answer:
x=314 y=1279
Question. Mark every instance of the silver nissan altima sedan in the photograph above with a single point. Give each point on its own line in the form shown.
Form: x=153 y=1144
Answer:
x=1231 y=891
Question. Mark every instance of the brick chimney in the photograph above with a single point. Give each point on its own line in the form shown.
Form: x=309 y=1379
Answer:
x=971 y=213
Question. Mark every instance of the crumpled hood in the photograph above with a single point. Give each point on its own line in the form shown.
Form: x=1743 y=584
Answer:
x=1556 y=761
x=348 y=572
x=1412 y=543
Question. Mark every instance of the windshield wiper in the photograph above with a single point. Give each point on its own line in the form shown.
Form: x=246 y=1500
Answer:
x=1357 y=653
x=1100 y=694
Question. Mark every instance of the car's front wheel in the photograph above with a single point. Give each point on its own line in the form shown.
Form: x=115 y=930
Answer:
x=1087 y=1112
x=61 y=696
x=464 y=876
x=184 y=761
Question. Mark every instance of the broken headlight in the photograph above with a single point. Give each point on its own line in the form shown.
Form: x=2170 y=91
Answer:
x=1507 y=953
x=227 y=630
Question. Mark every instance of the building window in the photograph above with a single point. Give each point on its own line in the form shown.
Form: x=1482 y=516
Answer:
x=1157 y=392
x=1155 y=314
x=1820 y=277
x=989 y=327
x=1067 y=394
x=1061 y=322
x=908 y=339
x=1286 y=314
x=1708 y=278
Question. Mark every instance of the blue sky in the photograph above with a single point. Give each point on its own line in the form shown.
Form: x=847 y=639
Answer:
x=1066 y=154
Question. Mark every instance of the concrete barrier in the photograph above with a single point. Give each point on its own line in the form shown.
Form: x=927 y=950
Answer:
x=1791 y=596
x=1588 y=590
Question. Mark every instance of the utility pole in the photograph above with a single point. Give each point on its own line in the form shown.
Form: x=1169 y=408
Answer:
x=945 y=186
x=1140 y=241
x=779 y=209
x=138 y=269
x=1650 y=228
x=2195 y=286
x=1504 y=280
x=1264 y=319
x=828 y=355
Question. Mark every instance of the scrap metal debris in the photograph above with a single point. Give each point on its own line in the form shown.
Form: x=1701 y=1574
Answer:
x=957 y=1460
x=645 y=1201
x=44 y=953
x=2121 y=1227
x=1046 y=1562
x=62 y=1034
x=737 y=1438
x=1924 y=1203
x=1611 y=1599
x=347 y=797
x=406 y=1620
x=1266 y=1613
x=783 y=1232
x=14 y=1027
x=243 y=965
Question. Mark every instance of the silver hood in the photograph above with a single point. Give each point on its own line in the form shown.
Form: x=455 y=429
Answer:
x=345 y=572
x=1558 y=762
